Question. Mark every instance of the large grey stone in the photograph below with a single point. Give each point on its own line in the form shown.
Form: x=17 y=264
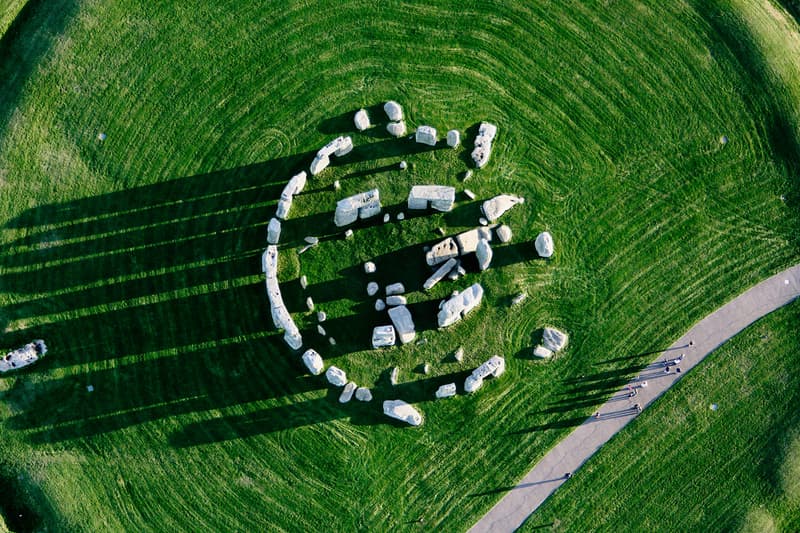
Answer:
x=439 y=197
x=363 y=205
x=446 y=391
x=383 y=336
x=363 y=394
x=361 y=120
x=396 y=129
x=440 y=273
x=347 y=392
x=453 y=138
x=499 y=205
x=459 y=305
x=393 y=110
x=395 y=288
x=403 y=323
x=483 y=144
x=336 y=376
x=400 y=410
x=484 y=254
x=494 y=367
x=426 y=135
x=274 y=231
x=313 y=362
x=544 y=244
x=395 y=300
x=554 y=340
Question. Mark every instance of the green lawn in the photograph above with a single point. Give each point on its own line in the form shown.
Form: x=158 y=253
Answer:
x=137 y=258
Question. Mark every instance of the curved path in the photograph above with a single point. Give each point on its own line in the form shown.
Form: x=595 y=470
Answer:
x=569 y=454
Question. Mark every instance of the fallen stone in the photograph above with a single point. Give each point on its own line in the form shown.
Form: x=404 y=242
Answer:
x=542 y=352
x=400 y=410
x=483 y=222
x=361 y=120
x=441 y=252
x=494 y=367
x=312 y=240
x=363 y=394
x=280 y=315
x=499 y=205
x=310 y=303
x=321 y=316
x=544 y=244
x=347 y=392
x=453 y=138
x=372 y=288
x=273 y=231
x=438 y=197
x=282 y=211
x=459 y=355
x=468 y=241
x=380 y=305
x=393 y=301
x=321 y=330
x=362 y=205
x=426 y=135
x=503 y=233
x=393 y=375
x=383 y=336
x=403 y=323
x=395 y=288
x=339 y=146
x=459 y=305
x=554 y=340
x=369 y=267
x=440 y=273
x=303 y=282
x=336 y=376
x=484 y=254
x=469 y=194
x=313 y=362
x=393 y=110
x=396 y=129
x=446 y=391
x=483 y=144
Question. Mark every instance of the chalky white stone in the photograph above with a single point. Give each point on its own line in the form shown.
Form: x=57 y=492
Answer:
x=494 y=367
x=403 y=323
x=459 y=305
x=426 y=135
x=383 y=336
x=469 y=194
x=321 y=330
x=363 y=394
x=310 y=303
x=403 y=411
x=453 y=138
x=483 y=144
x=484 y=254
x=542 y=352
x=273 y=231
x=393 y=110
x=362 y=205
x=313 y=362
x=336 y=376
x=347 y=392
x=311 y=240
x=544 y=244
x=459 y=355
x=396 y=129
x=322 y=316
x=394 y=375
x=361 y=120
x=303 y=282
x=393 y=301
x=499 y=205
x=380 y=305
x=440 y=273
x=446 y=391
x=438 y=197
x=503 y=233
x=554 y=340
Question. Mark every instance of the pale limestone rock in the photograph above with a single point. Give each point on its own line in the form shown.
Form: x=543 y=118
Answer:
x=310 y=303
x=321 y=330
x=280 y=315
x=494 y=367
x=467 y=242
x=336 y=376
x=426 y=135
x=483 y=144
x=484 y=254
x=372 y=288
x=554 y=340
x=347 y=392
x=337 y=186
x=459 y=305
x=369 y=267
x=446 y=391
x=383 y=336
x=395 y=288
x=441 y=252
x=439 y=197
x=453 y=138
x=273 y=231
x=459 y=355
x=282 y=211
x=393 y=375
x=503 y=233
x=338 y=147
x=363 y=394
x=542 y=352
x=497 y=206
x=313 y=362
x=401 y=216
x=319 y=164
x=403 y=323
x=467 y=175
x=402 y=411
x=303 y=282
x=393 y=110
x=544 y=244
x=426 y=368
x=393 y=301
x=403 y=165
x=396 y=129
x=440 y=273
x=363 y=205
x=361 y=120
x=380 y=305
x=483 y=222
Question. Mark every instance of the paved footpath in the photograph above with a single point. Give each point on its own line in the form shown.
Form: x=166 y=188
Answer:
x=569 y=454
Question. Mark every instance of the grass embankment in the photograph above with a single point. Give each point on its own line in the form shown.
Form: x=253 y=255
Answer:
x=137 y=258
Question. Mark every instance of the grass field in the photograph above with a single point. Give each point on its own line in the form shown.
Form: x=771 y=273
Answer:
x=138 y=258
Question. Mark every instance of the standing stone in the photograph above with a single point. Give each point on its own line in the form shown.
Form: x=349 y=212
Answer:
x=363 y=394
x=310 y=303
x=503 y=233
x=400 y=410
x=394 y=288
x=459 y=305
x=313 y=362
x=544 y=244
x=396 y=129
x=383 y=336
x=459 y=355
x=426 y=368
x=554 y=340
x=347 y=392
x=348 y=234
x=369 y=267
x=274 y=231
x=446 y=391
x=303 y=282
x=426 y=135
x=393 y=110
x=453 y=138
x=386 y=218
x=542 y=353
x=380 y=305
x=403 y=323
x=337 y=186
x=372 y=288
x=497 y=206
x=393 y=375
x=361 y=120
x=393 y=301
x=484 y=254
x=401 y=216
x=336 y=376
x=403 y=165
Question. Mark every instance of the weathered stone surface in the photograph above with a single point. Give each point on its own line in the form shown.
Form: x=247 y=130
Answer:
x=313 y=362
x=336 y=376
x=453 y=138
x=361 y=120
x=483 y=222
x=426 y=135
x=273 y=231
x=321 y=330
x=363 y=394
x=403 y=323
x=554 y=340
x=363 y=205
x=380 y=305
x=494 y=367
x=458 y=306
x=282 y=211
x=400 y=410
x=383 y=336
x=393 y=110
x=347 y=392
x=542 y=352
x=393 y=301
x=337 y=185
x=319 y=164
x=369 y=267
x=467 y=242
x=394 y=375
x=396 y=129
x=441 y=252
x=439 y=197
x=440 y=273
x=499 y=205
x=372 y=288
x=503 y=233
x=446 y=391
x=544 y=244
x=310 y=303
x=459 y=354
x=484 y=254
x=339 y=146
x=280 y=315
x=395 y=288
x=483 y=144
